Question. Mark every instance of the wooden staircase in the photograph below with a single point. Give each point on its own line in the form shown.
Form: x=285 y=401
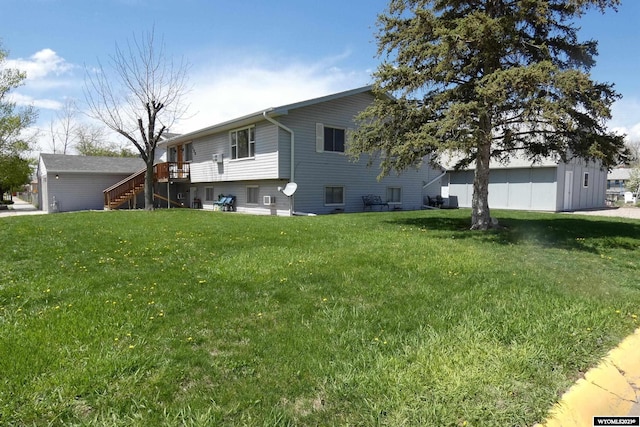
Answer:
x=131 y=186
x=124 y=191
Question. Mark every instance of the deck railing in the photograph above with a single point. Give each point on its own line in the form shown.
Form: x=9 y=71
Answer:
x=124 y=190
x=171 y=170
x=129 y=187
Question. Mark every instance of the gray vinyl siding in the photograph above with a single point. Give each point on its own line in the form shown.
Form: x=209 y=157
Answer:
x=593 y=196
x=77 y=191
x=541 y=188
x=239 y=190
x=314 y=171
x=519 y=188
x=265 y=164
x=284 y=153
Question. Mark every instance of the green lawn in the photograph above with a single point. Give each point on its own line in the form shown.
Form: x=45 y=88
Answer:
x=183 y=317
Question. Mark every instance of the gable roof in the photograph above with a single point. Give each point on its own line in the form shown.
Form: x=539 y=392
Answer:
x=64 y=163
x=621 y=174
x=254 y=117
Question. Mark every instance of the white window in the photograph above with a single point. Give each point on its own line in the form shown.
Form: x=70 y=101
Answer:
x=243 y=143
x=333 y=139
x=330 y=138
x=252 y=194
x=394 y=195
x=585 y=179
x=333 y=196
x=208 y=194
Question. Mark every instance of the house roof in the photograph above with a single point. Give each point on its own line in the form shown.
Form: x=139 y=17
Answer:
x=254 y=117
x=63 y=163
x=620 y=174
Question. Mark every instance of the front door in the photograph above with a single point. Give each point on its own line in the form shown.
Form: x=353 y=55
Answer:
x=193 y=195
x=181 y=173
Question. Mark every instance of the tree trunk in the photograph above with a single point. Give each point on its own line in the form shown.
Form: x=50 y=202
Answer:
x=480 y=215
x=148 y=187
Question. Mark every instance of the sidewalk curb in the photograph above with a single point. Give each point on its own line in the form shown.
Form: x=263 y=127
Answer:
x=612 y=388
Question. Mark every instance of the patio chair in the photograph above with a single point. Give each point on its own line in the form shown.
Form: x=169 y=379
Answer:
x=227 y=203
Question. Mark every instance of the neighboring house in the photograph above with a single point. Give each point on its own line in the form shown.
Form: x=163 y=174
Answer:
x=616 y=184
x=73 y=183
x=545 y=186
x=255 y=156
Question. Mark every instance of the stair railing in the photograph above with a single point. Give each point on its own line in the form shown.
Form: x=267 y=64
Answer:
x=127 y=186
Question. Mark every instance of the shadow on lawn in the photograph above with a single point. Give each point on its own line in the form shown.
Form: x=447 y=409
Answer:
x=589 y=234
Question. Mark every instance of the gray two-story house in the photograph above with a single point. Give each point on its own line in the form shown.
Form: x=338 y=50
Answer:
x=254 y=157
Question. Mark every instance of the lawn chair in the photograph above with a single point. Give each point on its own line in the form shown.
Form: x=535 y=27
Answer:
x=227 y=203
x=435 y=202
x=220 y=202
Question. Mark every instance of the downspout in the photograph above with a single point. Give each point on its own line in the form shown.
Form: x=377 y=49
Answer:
x=281 y=126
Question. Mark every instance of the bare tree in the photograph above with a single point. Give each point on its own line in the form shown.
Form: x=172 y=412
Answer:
x=634 y=149
x=141 y=99
x=91 y=140
x=63 y=128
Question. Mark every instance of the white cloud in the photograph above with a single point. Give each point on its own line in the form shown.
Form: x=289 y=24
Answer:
x=42 y=64
x=626 y=118
x=219 y=92
x=26 y=100
x=244 y=87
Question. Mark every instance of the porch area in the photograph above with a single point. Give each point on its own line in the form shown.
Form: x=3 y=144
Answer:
x=127 y=189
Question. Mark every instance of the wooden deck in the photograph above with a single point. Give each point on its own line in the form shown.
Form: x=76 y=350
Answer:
x=130 y=187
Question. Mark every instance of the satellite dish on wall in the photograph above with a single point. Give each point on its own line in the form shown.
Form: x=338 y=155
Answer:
x=289 y=189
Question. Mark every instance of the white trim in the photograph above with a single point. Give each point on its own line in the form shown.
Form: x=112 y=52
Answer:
x=324 y=195
x=344 y=140
x=204 y=199
x=249 y=142
x=246 y=189
x=398 y=187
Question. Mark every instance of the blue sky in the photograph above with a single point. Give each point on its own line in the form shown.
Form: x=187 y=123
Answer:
x=247 y=55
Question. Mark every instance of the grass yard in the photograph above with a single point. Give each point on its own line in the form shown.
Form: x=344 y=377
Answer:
x=193 y=318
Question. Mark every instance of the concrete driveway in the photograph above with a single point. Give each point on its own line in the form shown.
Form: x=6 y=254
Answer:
x=624 y=212
x=20 y=207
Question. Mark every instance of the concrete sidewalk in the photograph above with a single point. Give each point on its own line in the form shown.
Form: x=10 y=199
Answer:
x=20 y=207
